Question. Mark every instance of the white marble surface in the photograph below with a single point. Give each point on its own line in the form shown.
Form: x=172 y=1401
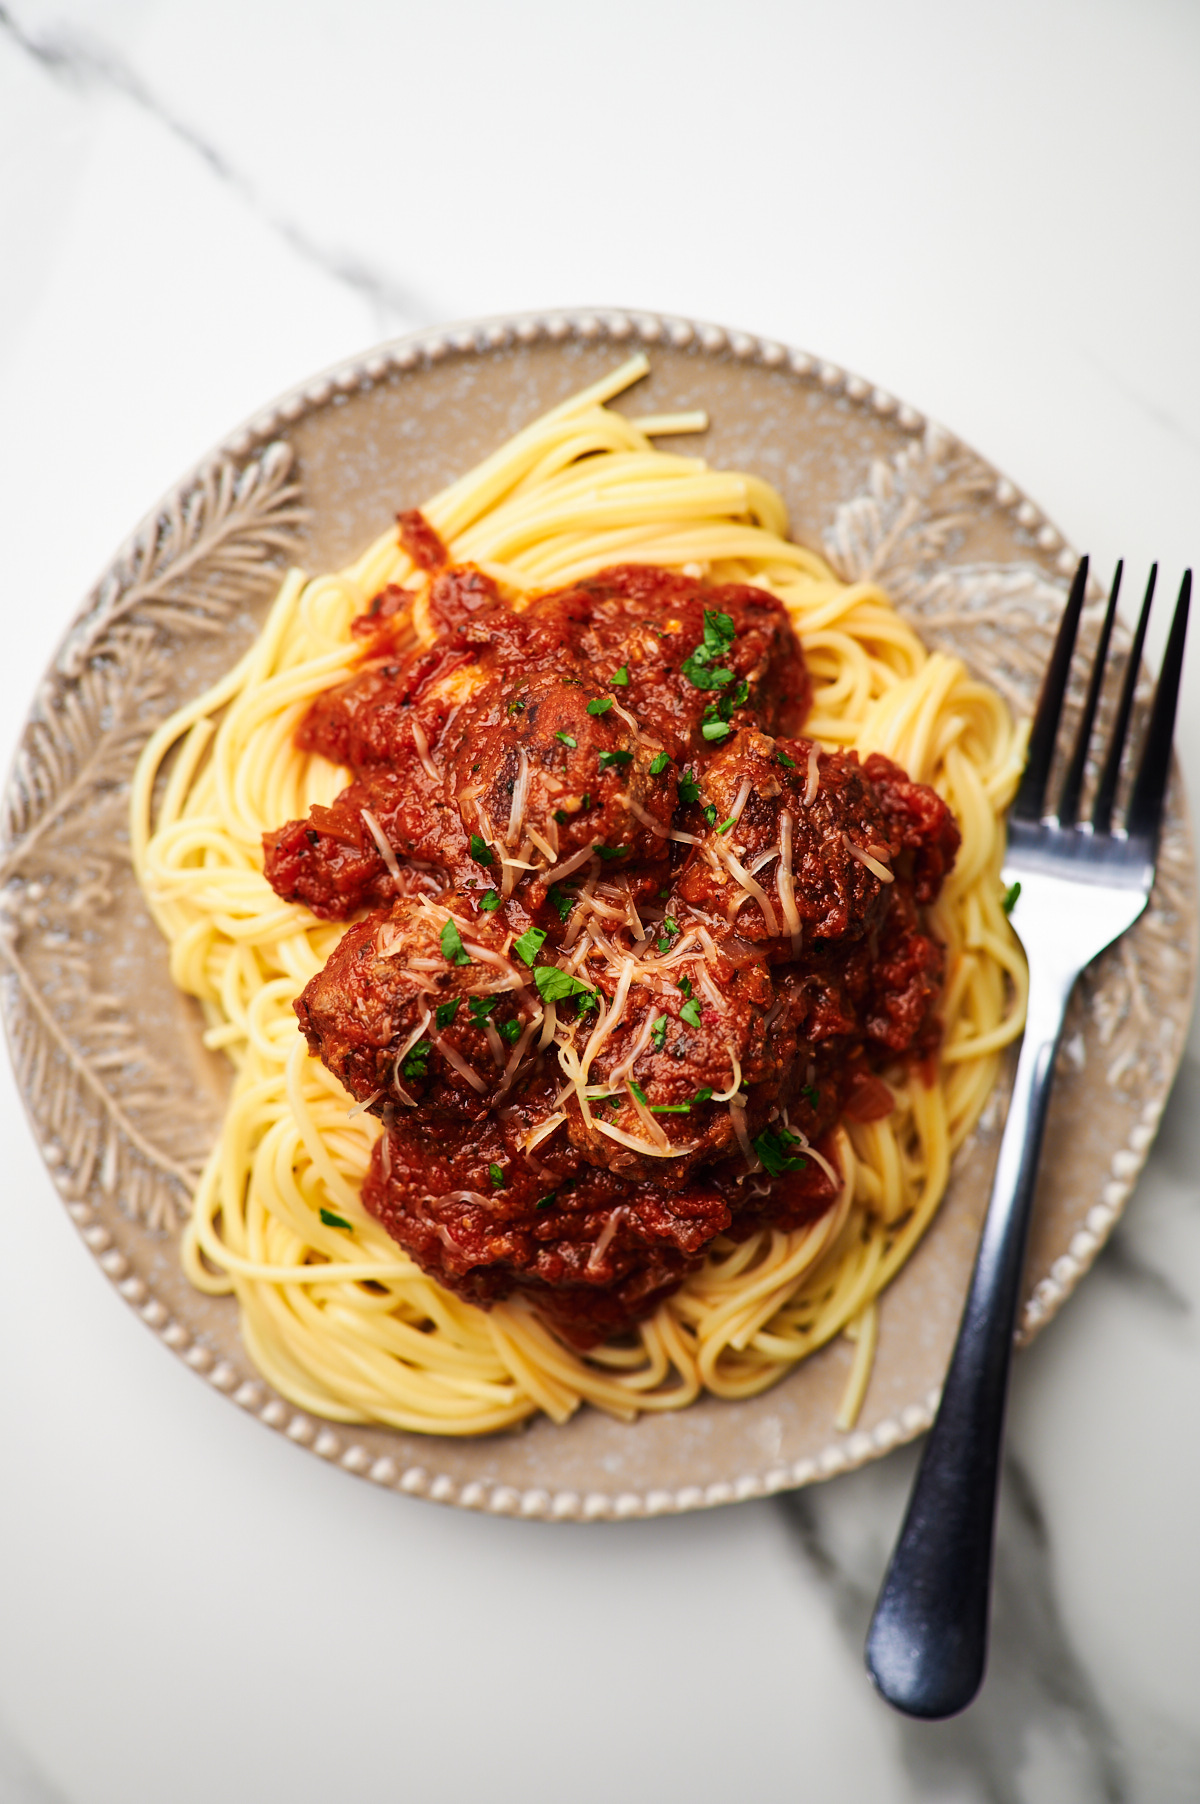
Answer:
x=990 y=210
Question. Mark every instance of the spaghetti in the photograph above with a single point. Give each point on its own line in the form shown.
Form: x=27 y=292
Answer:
x=335 y=1314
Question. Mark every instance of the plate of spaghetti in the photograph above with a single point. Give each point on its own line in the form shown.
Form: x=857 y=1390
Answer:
x=561 y=981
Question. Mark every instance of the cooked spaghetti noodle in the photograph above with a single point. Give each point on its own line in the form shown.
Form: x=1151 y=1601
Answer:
x=333 y=1312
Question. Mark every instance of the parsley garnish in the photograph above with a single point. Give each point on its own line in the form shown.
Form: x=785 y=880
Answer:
x=510 y=1031
x=496 y=1175
x=545 y=1201
x=562 y=901
x=611 y=851
x=670 y=1108
x=452 y=946
x=689 y=788
x=481 y=852
x=726 y=825
x=587 y=1002
x=716 y=730
x=1010 y=898
x=812 y=1096
x=638 y=1092
x=685 y=984
x=335 y=1221
x=516 y=707
x=620 y=678
x=710 y=814
x=530 y=944
x=554 y=985
x=446 y=1012
x=601 y=705
x=480 y=1007
x=690 y=1012
x=787 y=763
x=660 y=764
x=658 y=1033
x=560 y=815
x=775 y=1151
x=586 y=802
x=670 y=929
x=704 y=1094
x=491 y=902
x=416 y=1062
x=567 y=739
x=718 y=637
x=607 y=758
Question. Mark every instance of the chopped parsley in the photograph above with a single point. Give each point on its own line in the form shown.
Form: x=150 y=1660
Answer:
x=496 y=1175
x=685 y=984
x=530 y=944
x=690 y=1012
x=1010 y=898
x=336 y=1221
x=710 y=814
x=545 y=1201
x=775 y=1151
x=568 y=739
x=704 y=1094
x=670 y=1108
x=516 y=707
x=587 y=1002
x=611 y=851
x=601 y=705
x=561 y=816
x=446 y=1012
x=660 y=764
x=620 y=678
x=452 y=946
x=718 y=637
x=670 y=929
x=481 y=852
x=787 y=763
x=554 y=985
x=689 y=788
x=562 y=901
x=480 y=1007
x=607 y=758
x=715 y=726
x=812 y=1096
x=658 y=1033
x=638 y=1092
x=491 y=902
x=416 y=1062
x=726 y=825
x=510 y=1031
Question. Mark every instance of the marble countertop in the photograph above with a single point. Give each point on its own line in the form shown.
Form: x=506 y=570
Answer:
x=990 y=211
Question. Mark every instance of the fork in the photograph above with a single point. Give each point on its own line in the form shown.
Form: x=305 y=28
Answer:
x=1082 y=884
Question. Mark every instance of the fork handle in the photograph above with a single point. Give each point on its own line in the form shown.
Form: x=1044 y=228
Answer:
x=927 y=1644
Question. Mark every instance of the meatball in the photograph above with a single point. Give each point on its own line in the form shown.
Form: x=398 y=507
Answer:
x=420 y=1007
x=644 y=626
x=593 y=1253
x=780 y=810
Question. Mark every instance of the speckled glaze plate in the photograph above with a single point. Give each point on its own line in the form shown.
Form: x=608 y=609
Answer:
x=126 y=1101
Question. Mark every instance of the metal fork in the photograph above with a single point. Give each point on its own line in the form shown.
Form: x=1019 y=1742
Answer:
x=1082 y=884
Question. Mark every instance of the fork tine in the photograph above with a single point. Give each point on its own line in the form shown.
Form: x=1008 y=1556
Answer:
x=1145 y=806
x=1068 y=803
x=1031 y=795
x=1106 y=791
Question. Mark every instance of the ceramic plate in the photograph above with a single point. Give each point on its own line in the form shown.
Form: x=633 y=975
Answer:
x=124 y=1098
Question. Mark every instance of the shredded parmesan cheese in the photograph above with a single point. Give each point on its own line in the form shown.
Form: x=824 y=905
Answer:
x=380 y=837
x=596 y=1256
x=814 y=776
x=785 y=882
x=754 y=890
x=364 y=1104
x=873 y=865
x=568 y=865
x=520 y=799
x=646 y=818
x=421 y=741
